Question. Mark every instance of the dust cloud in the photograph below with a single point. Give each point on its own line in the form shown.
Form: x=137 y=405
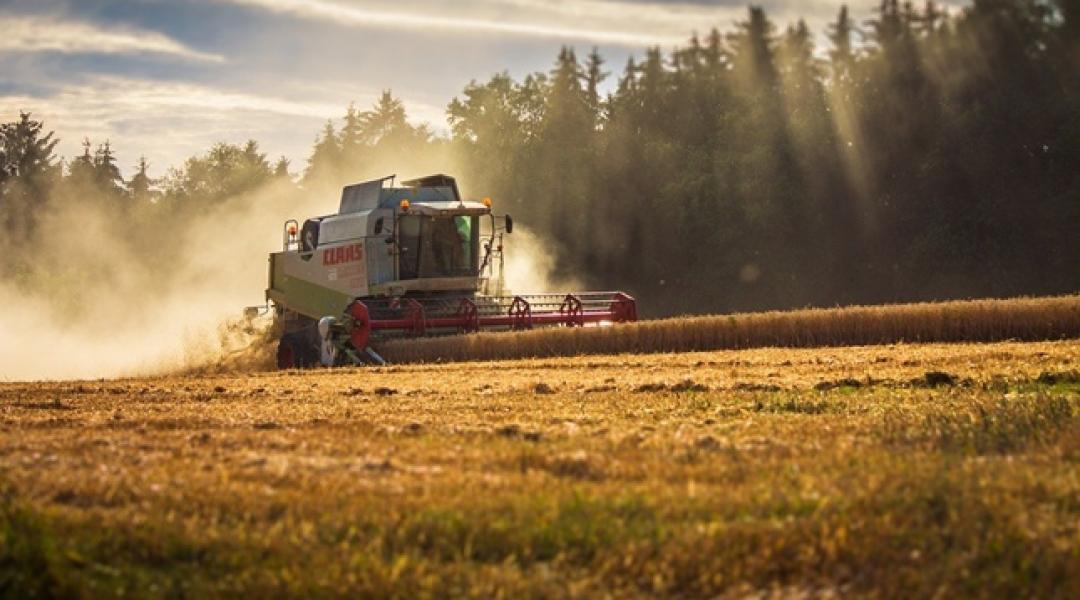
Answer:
x=530 y=266
x=109 y=293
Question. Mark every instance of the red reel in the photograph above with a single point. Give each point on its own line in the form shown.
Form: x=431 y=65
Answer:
x=361 y=328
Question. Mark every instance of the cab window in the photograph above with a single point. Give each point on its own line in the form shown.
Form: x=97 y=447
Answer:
x=438 y=247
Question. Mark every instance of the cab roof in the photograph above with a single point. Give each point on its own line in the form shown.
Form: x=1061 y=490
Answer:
x=374 y=194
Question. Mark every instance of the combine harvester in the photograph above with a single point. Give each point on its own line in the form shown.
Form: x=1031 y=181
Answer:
x=406 y=262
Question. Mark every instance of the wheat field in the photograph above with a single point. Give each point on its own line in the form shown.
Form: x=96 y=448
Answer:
x=1029 y=319
x=904 y=470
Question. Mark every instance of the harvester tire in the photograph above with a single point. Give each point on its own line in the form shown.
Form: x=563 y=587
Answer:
x=297 y=351
x=286 y=354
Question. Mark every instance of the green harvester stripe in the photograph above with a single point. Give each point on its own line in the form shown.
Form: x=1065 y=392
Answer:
x=306 y=298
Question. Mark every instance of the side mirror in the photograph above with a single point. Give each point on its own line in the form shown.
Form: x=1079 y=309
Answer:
x=509 y=224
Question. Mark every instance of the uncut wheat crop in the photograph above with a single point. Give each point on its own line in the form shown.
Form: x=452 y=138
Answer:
x=961 y=321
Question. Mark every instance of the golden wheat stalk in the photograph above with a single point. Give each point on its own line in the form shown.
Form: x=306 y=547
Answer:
x=1027 y=319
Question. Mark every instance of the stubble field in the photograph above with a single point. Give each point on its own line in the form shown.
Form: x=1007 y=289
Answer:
x=901 y=470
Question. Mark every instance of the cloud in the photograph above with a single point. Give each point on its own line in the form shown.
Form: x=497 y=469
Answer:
x=35 y=33
x=596 y=21
x=625 y=23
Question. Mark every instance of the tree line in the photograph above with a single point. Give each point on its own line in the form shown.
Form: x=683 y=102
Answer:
x=918 y=155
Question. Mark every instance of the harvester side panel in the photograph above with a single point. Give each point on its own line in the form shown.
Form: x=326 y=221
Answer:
x=319 y=283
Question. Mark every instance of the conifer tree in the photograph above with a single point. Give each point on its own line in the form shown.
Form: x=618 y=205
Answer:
x=325 y=159
x=107 y=177
x=352 y=134
x=594 y=76
x=28 y=174
x=26 y=149
x=81 y=171
x=281 y=168
x=140 y=188
x=842 y=53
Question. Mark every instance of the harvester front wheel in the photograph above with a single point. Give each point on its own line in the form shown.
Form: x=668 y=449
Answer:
x=298 y=349
x=286 y=354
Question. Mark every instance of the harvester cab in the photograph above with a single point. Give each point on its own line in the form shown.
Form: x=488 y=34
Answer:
x=413 y=260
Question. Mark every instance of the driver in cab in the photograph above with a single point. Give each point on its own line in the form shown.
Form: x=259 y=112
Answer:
x=450 y=239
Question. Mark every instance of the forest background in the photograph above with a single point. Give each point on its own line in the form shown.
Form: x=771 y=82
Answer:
x=915 y=156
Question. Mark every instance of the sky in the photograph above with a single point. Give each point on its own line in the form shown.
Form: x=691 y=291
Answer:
x=166 y=79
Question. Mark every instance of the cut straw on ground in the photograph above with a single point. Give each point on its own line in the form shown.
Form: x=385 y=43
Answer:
x=902 y=471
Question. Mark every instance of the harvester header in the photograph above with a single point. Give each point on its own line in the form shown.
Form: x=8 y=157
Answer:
x=415 y=260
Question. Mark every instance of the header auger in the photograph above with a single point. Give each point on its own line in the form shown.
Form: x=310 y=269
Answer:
x=410 y=261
